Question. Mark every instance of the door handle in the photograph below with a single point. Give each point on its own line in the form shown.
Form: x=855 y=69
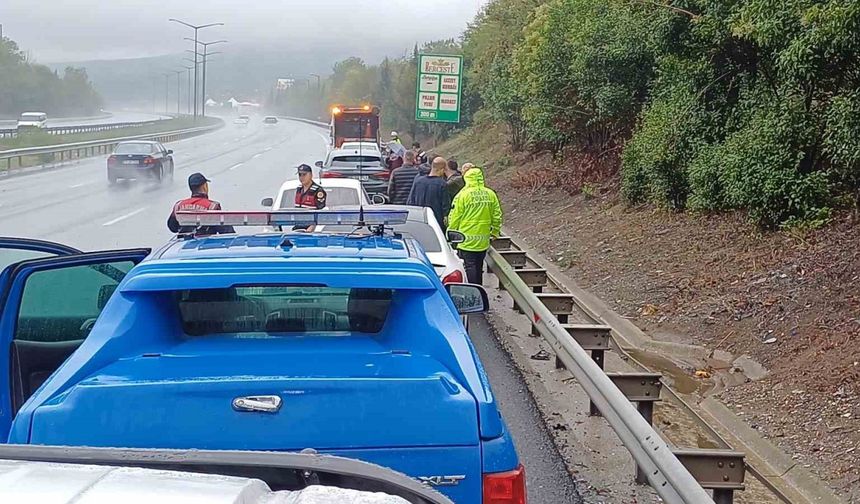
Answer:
x=259 y=404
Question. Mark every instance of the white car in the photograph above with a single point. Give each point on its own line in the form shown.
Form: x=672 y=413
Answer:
x=340 y=192
x=365 y=146
x=242 y=120
x=421 y=225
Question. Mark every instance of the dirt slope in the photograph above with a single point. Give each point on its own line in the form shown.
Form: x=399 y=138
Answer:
x=787 y=301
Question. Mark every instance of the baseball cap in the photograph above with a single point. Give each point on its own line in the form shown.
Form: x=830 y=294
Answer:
x=197 y=180
x=303 y=168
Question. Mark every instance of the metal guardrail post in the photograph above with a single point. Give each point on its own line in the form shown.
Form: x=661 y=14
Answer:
x=669 y=478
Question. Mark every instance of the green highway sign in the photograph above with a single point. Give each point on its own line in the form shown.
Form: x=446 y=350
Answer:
x=440 y=87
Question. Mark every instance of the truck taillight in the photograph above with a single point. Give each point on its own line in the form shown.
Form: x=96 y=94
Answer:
x=331 y=174
x=505 y=488
x=454 y=277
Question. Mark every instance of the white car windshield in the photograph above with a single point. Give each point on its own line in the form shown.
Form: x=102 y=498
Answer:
x=335 y=196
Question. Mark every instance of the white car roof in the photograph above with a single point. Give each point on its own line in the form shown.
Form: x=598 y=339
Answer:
x=37 y=482
x=328 y=182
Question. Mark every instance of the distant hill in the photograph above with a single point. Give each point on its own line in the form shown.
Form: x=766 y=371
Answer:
x=243 y=72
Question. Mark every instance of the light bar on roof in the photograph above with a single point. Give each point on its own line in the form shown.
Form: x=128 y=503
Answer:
x=293 y=218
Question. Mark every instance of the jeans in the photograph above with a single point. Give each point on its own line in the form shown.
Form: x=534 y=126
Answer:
x=473 y=263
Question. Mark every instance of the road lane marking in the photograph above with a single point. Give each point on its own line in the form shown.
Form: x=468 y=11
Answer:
x=236 y=166
x=256 y=156
x=80 y=185
x=267 y=149
x=123 y=217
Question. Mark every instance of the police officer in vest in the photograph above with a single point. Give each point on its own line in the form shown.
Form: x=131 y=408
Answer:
x=309 y=194
x=199 y=201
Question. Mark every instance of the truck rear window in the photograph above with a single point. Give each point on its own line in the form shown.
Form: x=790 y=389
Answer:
x=283 y=309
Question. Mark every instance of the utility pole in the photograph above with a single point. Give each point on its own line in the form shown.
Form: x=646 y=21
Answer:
x=205 y=56
x=178 y=90
x=188 y=104
x=196 y=28
x=166 y=91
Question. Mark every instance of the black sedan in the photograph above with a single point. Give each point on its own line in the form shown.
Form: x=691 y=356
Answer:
x=139 y=160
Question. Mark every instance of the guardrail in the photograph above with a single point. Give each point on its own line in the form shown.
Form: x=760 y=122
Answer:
x=77 y=150
x=84 y=128
x=680 y=476
x=307 y=121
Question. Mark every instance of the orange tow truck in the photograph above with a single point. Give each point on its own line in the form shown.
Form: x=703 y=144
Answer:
x=354 y=124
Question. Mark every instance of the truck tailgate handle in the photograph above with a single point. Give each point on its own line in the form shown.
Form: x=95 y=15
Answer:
x=261 y=404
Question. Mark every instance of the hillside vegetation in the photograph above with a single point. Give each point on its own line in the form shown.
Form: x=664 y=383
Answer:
x=25 y=86
x=701 y=105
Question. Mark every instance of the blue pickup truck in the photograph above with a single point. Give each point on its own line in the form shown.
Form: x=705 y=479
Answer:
x=344 y=344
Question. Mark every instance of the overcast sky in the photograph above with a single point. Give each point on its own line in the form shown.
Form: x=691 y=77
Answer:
x=75 y=30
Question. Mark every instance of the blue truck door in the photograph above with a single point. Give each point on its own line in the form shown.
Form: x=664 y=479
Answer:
x=47 y=308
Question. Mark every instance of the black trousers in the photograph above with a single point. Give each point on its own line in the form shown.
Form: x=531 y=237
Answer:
x=473 y=263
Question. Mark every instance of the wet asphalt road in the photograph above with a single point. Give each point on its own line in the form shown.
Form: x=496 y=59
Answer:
x=547 y=478
x=75 y=205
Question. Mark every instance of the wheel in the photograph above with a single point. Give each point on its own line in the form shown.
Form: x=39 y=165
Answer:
x=172 y=170
x=111 y=179
x=159 y=174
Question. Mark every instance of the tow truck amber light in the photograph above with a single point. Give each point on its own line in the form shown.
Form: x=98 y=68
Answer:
x=293 y=217
x=453 y=277
x=335 y=110
x=505 y=488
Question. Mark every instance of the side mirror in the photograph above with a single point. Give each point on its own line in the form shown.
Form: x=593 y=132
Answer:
x=170 y=151
x=378 y=199
x=318 y=164
x=267 y=202
x=105 y=292
x=455 y=237
x=468 y=298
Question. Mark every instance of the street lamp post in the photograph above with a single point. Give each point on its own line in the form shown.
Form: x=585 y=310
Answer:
x=166 y=90
x=178 y=90
x=205 y=55
x=188 y=101
x=319 y=81
x=196 y=28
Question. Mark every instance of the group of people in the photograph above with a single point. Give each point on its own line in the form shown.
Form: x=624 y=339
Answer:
x=459 y=199
x=460 y=202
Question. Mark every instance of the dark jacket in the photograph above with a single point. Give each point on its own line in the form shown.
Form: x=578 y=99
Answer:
x=400 y=184
x=424 y=169
x=431 y=192
x=455 y=184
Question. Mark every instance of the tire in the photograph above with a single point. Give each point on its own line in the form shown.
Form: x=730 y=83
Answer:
x=111 y=179
x=159 y=175
x=172 y=170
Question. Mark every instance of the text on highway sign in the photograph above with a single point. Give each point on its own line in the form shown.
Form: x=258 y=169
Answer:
x=440 y=87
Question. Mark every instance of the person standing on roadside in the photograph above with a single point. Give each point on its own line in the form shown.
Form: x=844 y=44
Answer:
x=432 y=191
x=453 y=178
x=420 y=155
x=198 y=202
x=401 y=180
x=477 y=214
x=424 y=168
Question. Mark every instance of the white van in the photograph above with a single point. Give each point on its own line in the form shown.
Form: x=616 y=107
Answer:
x=33 y=120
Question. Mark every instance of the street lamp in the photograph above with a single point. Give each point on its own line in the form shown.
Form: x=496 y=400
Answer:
x=189 y=69
x=166 y=90
x=196 y=28
x=178 y=90
x=205 y=58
